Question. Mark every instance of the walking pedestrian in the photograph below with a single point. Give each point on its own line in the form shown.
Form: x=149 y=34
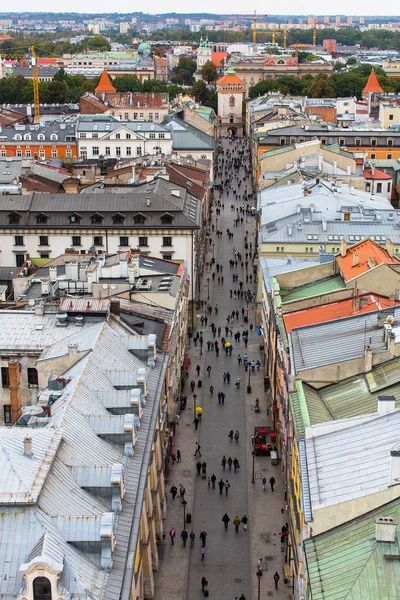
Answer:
x=237 y=435
x=203 y=553
x=223 y=462
x=178 y=456
x=209 y=482
x=227 y=486
x=236 y=522
x=209 y=370
x=213 y=480
x=184 y=536
x=174 y=491
x=198 y=368
x=263 y=483
x=182 y=491
x=230 y=461
x=221 y=486
x=245 y=521
x=204 y=583
x=272 y=482
x=192 y=537
x=235 y=464
x=198 y=467
x=196 y=423
x=225 y=520
x=203 y=537
x=172 y=534
x=198 y=450
x=276 y=579
x=230 y=435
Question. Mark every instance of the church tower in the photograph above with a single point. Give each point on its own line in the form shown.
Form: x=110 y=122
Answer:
x=204 y=54
x=230 y=90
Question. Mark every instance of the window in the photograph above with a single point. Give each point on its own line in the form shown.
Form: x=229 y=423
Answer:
x=18 y=137
x=134 y=116
x=13 y=218
x=41 y=137
x=128 y=151
x=167 y=256
x=152 y=136
x=19 y=260
x=54 y=153
x=128 y=136
x=107 y=151
x=138 y=151
x=342 y=141
x=19 y=240
x=167 y=241
x=390 y=143
x=323 y=141
x=358 y=142
x=143 y=240
x=117 y=136
x=161 y=136
x=124 y=240
x=277 y=248
x=391 y=117
x=157 y=116
x=95 y=136
x=75 y=218
x=141 y=115
x=43 y=240
x=139 y=219
x=82 y=136
x=95 y=151
x=42 y=153
x=389 y=185
x=367 y=187
x=373 y=142
x=27 y=153
x=54 y=136
x=126 y=117
x=42 y=218
x=150 y=116
x=3 y=153
x=165 y=219
x=118 y=219
x=118 y=150
x=98 y=240
x=18 y=153
x=378 y=188
x=373 y=155
x=7 y=414
x=68 y=153
x=311 y=249
x=41 y=589
x=389 y=156
x=5 y=379
x=33 y=376
x=96 y=219
x=307 y=249
x=76 y=240
x=283 y=141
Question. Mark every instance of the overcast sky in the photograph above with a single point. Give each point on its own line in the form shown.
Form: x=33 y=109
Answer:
x=361 y=7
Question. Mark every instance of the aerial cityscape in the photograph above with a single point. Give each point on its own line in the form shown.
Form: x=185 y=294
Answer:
x=199 y=304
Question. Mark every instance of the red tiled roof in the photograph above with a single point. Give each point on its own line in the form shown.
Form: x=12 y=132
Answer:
x=367 y=249
x=105 y=84
x=377 y=174
x=229 y=80
x=218 y=58
x=372 y=84
x=335 y=310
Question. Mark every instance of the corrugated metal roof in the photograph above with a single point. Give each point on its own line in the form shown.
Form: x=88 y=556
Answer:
x=343 y=464
x=347 y=563
x=315 y=288
x=85 y=305
x=305 y=490
x=275 y=266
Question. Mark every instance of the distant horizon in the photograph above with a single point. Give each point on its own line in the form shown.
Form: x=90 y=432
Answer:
x=24 y=6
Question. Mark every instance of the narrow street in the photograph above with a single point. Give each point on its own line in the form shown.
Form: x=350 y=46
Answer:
x=230 y=560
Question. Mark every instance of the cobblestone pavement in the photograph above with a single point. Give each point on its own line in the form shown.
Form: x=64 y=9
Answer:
x=230 y=559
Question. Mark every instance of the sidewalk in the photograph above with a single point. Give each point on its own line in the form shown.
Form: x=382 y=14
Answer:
x=230 y=560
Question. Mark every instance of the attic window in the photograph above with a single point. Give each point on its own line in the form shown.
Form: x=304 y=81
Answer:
x=96 y=219
x=75 y=218
x=42 y=218
x=14 y=218
x=118 y=218
x=54 y=136
x=139 y=219
x=165 y=219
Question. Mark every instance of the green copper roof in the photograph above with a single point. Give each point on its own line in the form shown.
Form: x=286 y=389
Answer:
x=347 y=563
x=230 y=71
x=316 y=288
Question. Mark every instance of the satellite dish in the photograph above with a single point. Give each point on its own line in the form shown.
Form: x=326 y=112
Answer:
x=389 y=319
x=31 y=302
x=105 y=286
x=113 y=287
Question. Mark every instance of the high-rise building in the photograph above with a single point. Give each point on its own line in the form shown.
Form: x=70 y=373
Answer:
x=338 y=20
x=349 y=20
x=326 y=19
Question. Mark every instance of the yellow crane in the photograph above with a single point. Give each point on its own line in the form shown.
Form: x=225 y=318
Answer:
x=275 y=33
x=314 y=37
x=35 y=79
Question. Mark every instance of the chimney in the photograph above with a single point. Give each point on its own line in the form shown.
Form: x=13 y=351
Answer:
x=28 y=446
x=15 y=392
x=386 y=404
x=115 y=307
x=372 y=170
x=367 y=359
x=343 y=248
x=385 y=529
x=73 y=348
x=390 y=248
x=53 y=273
x=356 y=303
x=356 y=259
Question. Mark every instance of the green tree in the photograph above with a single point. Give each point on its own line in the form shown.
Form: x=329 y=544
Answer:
x=263 y=87
x=127 y=83
x=320 y=88
x=201 y=92
x=209 y=72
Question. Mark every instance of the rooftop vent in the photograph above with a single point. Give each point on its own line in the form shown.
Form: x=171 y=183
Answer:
x=385 y=529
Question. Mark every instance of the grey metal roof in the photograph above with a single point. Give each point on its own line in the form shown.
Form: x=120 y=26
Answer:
x=305 y=495
x=187 y=137
x=275 y=266
x=10 y=170
x=64 y=130
x=111 y=125
x=153 y=199
x=337 y=341
x=342 y=463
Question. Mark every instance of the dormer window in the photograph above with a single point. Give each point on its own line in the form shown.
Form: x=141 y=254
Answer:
x=41 y=137
x=54 y=136
x=166 y=219
x=41 y=588
x=139 y=219
x=118 y=219
x=14 y=218
x=96 y=219
x=27 y=137
x=75 y=218
x=42 y=218
x=18 y=137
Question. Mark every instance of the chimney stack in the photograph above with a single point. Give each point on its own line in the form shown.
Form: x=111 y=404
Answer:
x=356 y=259
x=390 y=248
x=343 y=248
x=386 y=404
x=15 y=392
x=28 y=446
x=368 y=359
x=385 y=529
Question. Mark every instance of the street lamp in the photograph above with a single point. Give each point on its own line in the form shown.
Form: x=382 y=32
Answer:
x=259 y=575
x=208 y=288
x=201 y=343
x=253 y=455
x=248 y=383
x=184 y=515
x=194 y=406
x=213 y=246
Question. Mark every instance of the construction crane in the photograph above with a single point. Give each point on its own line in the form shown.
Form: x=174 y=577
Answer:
x=275 y=33
x=314 y=37
x=35 y=78
x=255 y=28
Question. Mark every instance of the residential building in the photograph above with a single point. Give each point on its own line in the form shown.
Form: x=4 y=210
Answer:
x=10 y=176
x=126 y=106
x=201 y=117
x=190 y=143
x=303 y=219
x=50 y=140
x=88 y=455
